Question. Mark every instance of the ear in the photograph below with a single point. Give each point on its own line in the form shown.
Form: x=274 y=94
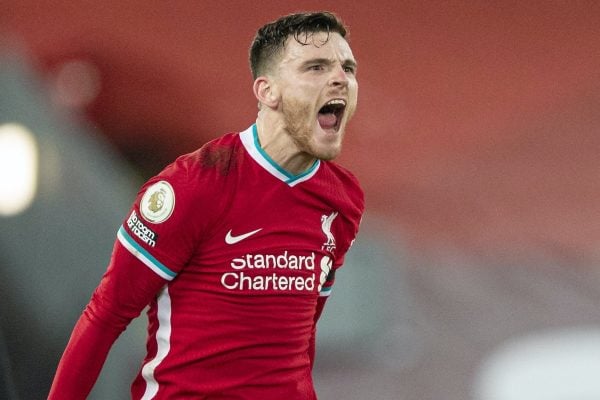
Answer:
x=266 y=92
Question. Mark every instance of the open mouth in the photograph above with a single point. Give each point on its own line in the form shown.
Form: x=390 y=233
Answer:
x=330 y=115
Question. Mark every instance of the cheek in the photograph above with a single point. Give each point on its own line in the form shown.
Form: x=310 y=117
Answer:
x=353 y=94
x=297 y=115
x=303 y=86
x=354 y=89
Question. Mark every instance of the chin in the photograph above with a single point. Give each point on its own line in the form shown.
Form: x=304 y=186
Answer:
x=325 y=145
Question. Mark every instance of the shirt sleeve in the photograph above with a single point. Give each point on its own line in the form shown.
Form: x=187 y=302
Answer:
x=116 y=301
x=160 y=229
x=324 y=293
x=346 y=232
x=153 y=245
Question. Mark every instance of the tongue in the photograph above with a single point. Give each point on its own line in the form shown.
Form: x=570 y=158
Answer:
x=327 y=121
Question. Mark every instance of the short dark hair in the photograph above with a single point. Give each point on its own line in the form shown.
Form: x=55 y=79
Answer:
x=271 y=38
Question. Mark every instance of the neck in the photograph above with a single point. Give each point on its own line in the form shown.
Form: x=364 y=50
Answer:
x=280 y=146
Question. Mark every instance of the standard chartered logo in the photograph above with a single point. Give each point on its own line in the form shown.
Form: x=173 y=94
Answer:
x=326 y=264
x=280 y=261
x=240 y=278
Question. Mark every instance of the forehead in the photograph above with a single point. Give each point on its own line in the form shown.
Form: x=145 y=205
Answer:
x=318 y=45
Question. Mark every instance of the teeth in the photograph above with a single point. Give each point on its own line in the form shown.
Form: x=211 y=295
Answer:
x=336 y=101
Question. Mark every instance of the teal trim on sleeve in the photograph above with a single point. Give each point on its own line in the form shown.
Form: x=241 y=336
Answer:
x=145 y=253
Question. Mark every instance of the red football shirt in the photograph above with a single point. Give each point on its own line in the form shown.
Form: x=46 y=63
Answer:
x=232 y=253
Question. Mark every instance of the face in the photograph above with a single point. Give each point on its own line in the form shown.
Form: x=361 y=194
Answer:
x=317 y=89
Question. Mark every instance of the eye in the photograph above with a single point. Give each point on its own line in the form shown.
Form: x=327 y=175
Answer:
x=316 y=67
x=350 y=70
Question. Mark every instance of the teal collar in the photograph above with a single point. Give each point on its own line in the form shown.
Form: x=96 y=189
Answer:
x=250 y=141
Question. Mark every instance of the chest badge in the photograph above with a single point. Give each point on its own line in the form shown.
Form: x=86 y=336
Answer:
x=326 y=221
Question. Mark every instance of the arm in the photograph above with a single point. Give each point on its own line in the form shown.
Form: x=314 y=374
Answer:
x=323 y=295
x=313 y=338
x=126 y=288
x=148 y=238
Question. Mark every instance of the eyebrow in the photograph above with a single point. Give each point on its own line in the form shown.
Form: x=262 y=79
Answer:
x=346 y=63
x=350 y=63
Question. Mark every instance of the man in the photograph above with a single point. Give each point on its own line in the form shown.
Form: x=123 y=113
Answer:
x=234 y=247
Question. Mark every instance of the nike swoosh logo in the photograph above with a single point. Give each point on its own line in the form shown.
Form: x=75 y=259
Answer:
x=230 y=239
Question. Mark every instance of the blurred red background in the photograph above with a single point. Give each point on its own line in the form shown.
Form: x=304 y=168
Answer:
x=477 y=126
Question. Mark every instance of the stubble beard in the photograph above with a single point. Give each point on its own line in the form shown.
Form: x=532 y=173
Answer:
x=300 y=124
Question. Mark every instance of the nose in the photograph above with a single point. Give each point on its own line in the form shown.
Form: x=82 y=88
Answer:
x=338 y=76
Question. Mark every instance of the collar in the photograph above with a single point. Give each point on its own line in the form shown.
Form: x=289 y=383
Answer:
x=249 y=139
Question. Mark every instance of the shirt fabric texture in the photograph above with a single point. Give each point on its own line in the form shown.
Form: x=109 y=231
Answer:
x=235 y=258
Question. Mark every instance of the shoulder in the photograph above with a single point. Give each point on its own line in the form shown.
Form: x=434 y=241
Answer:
x=219 y=155
x=348 y=183
x=193 y=176
x=347 y=199
x=184 y=193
